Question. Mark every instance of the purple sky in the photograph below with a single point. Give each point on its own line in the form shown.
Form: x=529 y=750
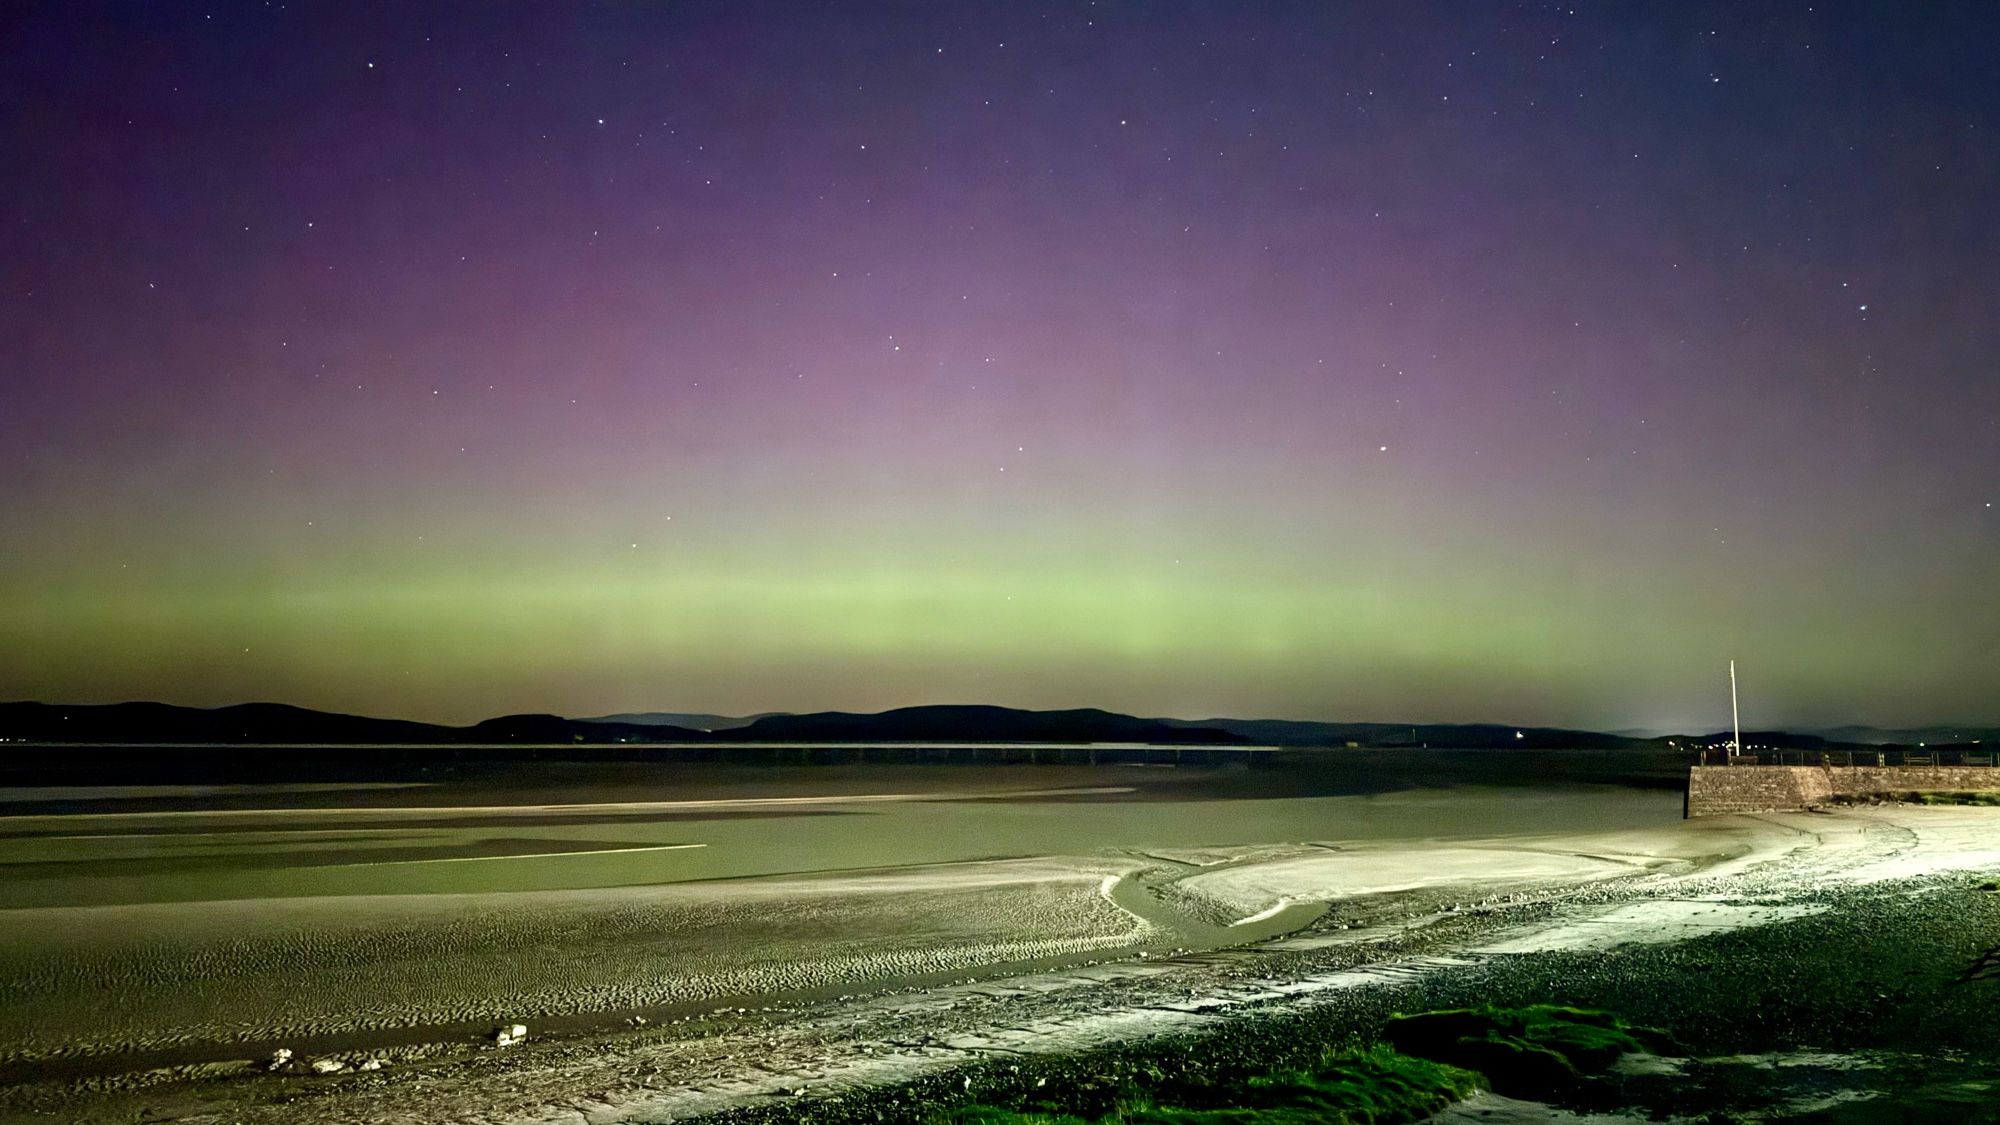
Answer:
x=1361 y=361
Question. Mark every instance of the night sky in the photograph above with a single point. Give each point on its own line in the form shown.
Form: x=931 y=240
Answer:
x=1353 y=361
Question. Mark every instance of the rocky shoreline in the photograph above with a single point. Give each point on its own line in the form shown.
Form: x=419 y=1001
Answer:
x=1877 y=998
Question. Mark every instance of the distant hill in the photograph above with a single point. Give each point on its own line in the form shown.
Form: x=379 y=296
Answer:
x=280 y=724
x=162 y=722
x=556 y=729
x=1909 y=736
x=1458 y=736
x=973 y=724
x=272 y=723
x=692 y=720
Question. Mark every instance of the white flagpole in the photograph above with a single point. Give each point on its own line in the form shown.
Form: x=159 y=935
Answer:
x=1735 y=718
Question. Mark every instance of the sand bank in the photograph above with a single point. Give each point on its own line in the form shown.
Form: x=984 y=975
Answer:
x=1392 y=914
x=77 y=982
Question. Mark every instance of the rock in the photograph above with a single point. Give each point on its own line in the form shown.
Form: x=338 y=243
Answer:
x=280 y=1059
x=328 y=1066
x=1537 y=1052
x=509 y=1035
x=371 y=1064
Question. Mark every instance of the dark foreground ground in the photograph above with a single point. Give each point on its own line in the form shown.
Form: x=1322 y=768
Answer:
x=1886 y=1008
x=1860 y=987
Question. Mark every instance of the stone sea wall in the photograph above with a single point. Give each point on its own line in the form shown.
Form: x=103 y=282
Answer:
x=1718 y=790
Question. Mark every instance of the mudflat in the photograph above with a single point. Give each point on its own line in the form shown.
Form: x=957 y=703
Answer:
x=774 y=938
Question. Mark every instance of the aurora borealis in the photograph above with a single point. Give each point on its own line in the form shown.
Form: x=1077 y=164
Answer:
x=1390 y=362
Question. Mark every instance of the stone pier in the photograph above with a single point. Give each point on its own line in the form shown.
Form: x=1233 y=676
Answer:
x=1718 y=790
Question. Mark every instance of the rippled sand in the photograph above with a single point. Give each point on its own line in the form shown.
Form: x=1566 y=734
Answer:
x=869 y=963
x=308 y=970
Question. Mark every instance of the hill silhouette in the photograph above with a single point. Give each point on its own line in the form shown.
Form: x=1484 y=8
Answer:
x=692 y=720
x=281 y=724
x=1460 y=736
x=974 y=723
x=278 y=724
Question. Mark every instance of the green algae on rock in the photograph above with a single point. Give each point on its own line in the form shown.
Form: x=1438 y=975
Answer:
x=1542 y=1050
x=1376 y=1086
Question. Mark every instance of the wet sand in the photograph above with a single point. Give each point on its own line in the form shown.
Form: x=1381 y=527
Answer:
x=850 y=977
x=355 y=972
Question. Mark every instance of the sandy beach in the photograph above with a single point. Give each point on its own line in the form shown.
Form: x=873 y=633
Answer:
x=831 y=982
